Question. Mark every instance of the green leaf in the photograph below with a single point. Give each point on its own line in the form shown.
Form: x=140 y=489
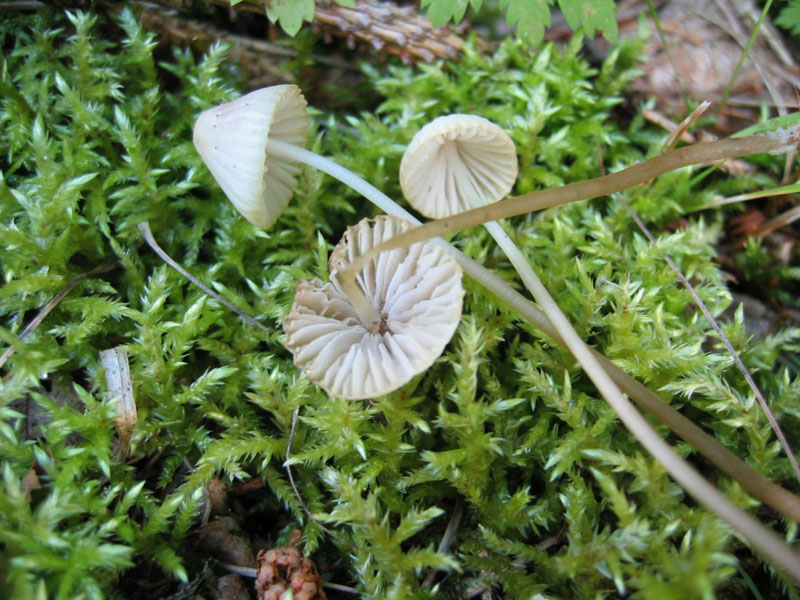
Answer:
x=443 y=11
x=780 y=122
x=290 y=14
x=589 y=16
x=789 y=18
x=531 y=17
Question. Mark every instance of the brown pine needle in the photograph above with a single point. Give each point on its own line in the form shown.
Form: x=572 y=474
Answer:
x=30 y=327
x=683 y=127
x=144 y=227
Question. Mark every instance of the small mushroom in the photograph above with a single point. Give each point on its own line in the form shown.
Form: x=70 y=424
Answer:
x=253 y=146
x=775 y=142
x=455 y=163
x=460 y=162
x=246 y=144
x=416 y=291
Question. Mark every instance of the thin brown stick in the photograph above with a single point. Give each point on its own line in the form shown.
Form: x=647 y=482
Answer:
x=574 y=192
x=761 y=487
x=683 y=127
x=144 y=227
x=30 y=327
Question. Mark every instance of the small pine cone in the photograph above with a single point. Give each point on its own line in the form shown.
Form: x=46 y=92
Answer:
x=281 y=569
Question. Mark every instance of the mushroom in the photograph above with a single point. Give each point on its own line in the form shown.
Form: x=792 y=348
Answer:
x=248 y=146
x=459 y=162
x=253 y=147
x=455 y=163
x=774 y=142
x=416 y=290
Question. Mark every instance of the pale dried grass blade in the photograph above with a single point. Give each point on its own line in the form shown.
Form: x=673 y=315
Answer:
x=120 y=388
x=684 y=125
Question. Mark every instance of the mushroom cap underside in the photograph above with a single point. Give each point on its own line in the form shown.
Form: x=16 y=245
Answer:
x=456 y=163
x=418 y=292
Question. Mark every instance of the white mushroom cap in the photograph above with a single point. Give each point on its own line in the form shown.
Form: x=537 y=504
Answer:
x=233 y=140
x=456 y=163
x=417 y=291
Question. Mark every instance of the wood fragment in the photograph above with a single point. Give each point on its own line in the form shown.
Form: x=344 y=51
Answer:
x=383 y=26
x=683 y=126
x=396 y=30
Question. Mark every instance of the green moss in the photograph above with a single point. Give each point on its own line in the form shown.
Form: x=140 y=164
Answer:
x=559 y=501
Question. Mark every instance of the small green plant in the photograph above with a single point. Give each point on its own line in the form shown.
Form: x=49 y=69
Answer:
x=533 y=18
x=291 y=14
x=789 y=17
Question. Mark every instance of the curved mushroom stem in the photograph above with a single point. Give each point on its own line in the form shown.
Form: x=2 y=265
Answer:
x=369 y=317
x=754 y=482
x=763 y=539
x=758 y=485
x=679 y=469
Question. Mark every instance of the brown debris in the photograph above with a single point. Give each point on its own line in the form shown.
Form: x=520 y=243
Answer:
x=373 y=28
x=706 y=39
x=384 y=26
x=744 y=225
x=230 y=587
x=38 y=415
x=260 y=61
x=30 y=482
x=284 y=569
x=217 y=495
x=120 y=389
x=223 y=540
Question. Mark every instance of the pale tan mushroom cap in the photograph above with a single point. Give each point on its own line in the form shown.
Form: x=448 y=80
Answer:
x=456 y=163
x=418 y=292
x=233 y=140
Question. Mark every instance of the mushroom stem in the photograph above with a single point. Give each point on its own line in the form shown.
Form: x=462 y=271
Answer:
x=679 y=469
x=754 y=482
x=694 y=483
x=369 y=317
x=774 y=142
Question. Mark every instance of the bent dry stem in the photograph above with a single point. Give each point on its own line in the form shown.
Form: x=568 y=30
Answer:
x=759 y=486
x=762 y=538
